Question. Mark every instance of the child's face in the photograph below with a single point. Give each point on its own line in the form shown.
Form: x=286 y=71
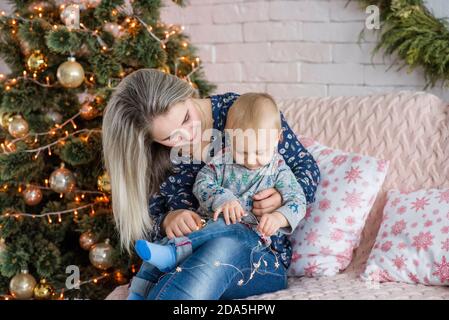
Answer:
x=255 y=150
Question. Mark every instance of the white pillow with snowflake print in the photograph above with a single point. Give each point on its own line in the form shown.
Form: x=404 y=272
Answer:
x=413 y=241
x=323 y=242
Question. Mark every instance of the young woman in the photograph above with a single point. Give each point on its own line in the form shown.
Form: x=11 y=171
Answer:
x=152 y=197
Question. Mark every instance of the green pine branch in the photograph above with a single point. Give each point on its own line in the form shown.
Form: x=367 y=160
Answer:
x=410 y=31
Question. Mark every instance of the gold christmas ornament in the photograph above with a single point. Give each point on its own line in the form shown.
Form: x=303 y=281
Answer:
x=87 y=111
x=37 y=62
x=43 y=290
x=32 y=195
x=87 y=240
x=53 y=116
x=70 y=73
x=104 y=183
x=21 y=285
x=18 y=127
x=62 y=180
x=100 y=255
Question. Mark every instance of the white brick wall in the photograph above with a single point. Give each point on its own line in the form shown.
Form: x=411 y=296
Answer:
x=291 y=48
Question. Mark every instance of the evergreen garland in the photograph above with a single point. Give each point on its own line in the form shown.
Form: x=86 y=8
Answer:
x=416 y=36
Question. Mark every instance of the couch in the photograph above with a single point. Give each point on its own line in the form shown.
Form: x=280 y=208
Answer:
x=411 y=129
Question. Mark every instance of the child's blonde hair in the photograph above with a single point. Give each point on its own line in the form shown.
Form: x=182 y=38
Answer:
x=252 y=109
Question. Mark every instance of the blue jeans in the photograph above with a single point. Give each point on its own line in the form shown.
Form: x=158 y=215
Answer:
x=218 y=261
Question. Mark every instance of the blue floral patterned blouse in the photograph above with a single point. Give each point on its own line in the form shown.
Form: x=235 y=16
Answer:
x=176 y=190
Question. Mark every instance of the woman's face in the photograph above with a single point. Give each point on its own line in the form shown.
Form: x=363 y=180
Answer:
x=180 y=126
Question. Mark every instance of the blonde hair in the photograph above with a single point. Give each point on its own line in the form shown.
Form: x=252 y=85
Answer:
x=136 y=164
x=252 y=109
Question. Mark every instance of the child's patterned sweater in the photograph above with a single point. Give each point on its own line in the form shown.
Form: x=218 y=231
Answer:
x=221 y=181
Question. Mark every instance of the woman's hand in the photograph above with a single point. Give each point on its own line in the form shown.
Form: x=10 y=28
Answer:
x=266 y=201
x=180 y=223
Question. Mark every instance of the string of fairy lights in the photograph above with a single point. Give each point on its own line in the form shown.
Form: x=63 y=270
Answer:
x=132 y=21
x=255 y=266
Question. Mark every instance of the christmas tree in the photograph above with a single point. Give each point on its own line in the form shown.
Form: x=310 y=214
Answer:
x=65 y=58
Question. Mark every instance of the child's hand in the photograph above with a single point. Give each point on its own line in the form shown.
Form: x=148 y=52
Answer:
x=271 y=222
x=180 y=223
x=231 y=210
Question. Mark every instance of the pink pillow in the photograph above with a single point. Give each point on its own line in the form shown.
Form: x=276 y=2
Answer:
x=413 y=241
x=323 y=242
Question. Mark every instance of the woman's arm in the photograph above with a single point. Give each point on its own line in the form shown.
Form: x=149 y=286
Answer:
x=175 y=195
x=157 y=210
x=293 y=199
x=300 y=161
